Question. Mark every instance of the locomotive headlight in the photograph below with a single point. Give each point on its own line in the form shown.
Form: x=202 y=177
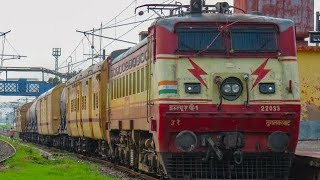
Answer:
x=231 y=88
x=226 y=88
x=235 y=88
x=192 y=88
x=267 y=88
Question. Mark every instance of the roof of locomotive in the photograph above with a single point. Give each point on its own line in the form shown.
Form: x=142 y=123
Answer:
x=169 y=22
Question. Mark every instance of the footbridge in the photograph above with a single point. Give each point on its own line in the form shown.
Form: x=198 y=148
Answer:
x=24 y=86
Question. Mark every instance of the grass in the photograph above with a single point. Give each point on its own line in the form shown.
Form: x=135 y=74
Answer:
x=27 y=164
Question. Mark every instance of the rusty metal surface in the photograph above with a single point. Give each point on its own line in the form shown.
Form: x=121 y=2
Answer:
x=300 y=11
x=309 y=81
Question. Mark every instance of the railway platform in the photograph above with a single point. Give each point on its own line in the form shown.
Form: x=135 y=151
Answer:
x=306 y=165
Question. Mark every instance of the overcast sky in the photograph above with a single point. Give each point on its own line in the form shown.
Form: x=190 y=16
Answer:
x=37 y=26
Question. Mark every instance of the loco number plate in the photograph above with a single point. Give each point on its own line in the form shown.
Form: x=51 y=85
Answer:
x=269 y=108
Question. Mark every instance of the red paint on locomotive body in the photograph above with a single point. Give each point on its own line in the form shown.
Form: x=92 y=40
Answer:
x=206 y=118
x=166 y=43
x=257 y=120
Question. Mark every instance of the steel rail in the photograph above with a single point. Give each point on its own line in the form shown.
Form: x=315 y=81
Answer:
x=12 y=154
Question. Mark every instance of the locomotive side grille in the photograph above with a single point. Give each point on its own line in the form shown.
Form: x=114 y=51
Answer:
x=258 y=166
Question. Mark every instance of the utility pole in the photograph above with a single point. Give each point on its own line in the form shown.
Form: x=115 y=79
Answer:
x=3 y=42
x=69 y=64
x=100 y=49
x=56 y=52
x=92 y=47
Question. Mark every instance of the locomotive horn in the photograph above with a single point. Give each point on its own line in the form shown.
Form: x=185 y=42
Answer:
x=196 y=6
x=222 y=7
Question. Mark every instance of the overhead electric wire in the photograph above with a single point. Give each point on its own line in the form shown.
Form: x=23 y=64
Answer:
x=114 y=17
x=91 y=45
x=83 y=61
x=136 y=26
x=125 y=24
x=141 y=22
x=97 y=30
x=2 y=51
x=128 y=31
x=14 y=49
x=72 y=52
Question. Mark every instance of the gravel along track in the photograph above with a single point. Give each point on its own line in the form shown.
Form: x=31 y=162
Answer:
x=6 y=150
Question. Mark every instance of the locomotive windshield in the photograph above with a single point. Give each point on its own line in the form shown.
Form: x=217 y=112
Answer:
x=197 y=39
x=249 y=39
x=255 y=40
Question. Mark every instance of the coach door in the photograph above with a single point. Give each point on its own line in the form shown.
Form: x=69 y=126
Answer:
x=78 y=101
x=96 y=120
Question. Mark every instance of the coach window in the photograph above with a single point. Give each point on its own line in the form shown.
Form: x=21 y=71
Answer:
x=134 y=83
x=111 y=87
x=123 y=87
x=118 y=94
x=82 y=101
x=116 y=89
x=127 y=85
x=146 y=55
x=120 y=87
x=138 y=82
x=97 y=101
x=142 y=58
x=142 y=79
x=130 y=83
x=94 y=98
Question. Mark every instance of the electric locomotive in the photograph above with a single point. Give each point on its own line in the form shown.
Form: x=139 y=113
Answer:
x=206 y=94
x=224 y=97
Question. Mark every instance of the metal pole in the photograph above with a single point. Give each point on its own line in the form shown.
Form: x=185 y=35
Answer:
x=69 y=64
x=100 y=41
x=92 y=46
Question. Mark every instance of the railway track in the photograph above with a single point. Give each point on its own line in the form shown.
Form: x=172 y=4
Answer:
x=130 y=172
x=6 y=150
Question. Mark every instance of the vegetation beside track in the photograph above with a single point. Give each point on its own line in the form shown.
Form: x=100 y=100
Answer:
x=29 y=164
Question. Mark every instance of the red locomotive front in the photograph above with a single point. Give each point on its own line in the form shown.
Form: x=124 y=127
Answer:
x=225 y=97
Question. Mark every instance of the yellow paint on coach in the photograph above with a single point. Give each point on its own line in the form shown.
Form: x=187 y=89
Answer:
x=48 y=111
x=309 y=69
x=86 y=102
x=21 y=117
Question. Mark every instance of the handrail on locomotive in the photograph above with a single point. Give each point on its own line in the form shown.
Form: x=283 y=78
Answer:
x=196 y=6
